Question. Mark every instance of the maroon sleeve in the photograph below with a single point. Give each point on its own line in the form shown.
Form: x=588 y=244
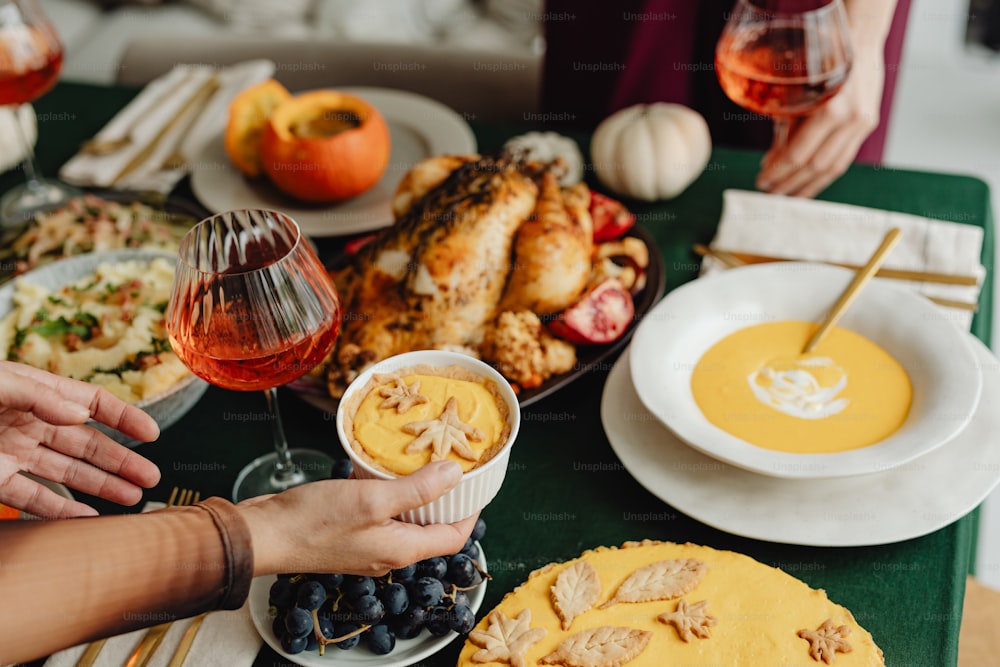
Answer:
x=602 y=56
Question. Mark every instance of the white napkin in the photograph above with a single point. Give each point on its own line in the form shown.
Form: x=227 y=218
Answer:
x=225 y=639
x=805 y=229
x=149 y=120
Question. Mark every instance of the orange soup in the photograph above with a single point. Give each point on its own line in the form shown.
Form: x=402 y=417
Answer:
x=756 y=385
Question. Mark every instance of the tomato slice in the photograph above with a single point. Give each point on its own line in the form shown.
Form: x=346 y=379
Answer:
x=354 y=245
x=611 y=218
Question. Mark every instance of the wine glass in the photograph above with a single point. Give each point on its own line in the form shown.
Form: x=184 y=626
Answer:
x=252 y=308
x=784 y=58
x=30 y=59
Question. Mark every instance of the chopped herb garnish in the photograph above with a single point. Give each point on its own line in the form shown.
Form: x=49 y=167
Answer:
x=82 y=325
x=58 y=301
x=134 y=364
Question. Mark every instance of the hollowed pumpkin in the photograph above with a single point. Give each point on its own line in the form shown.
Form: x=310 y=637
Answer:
x=325 y=146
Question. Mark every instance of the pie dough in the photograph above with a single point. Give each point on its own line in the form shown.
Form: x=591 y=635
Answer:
x=755 y=613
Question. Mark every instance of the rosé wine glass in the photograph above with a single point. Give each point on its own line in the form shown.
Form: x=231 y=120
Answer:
x=784 y=58
x=30 y=60
x=252 y=308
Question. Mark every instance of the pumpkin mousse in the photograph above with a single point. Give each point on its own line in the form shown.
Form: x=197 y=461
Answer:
x=658 y=603
x=399 y=422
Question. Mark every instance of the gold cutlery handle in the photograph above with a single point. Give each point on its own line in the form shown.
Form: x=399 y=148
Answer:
x=90 y=655
x=733 y=260
x=147 y=645
x=185 y=645
x=861 y=278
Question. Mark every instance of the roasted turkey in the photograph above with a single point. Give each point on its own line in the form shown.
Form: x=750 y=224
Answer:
x=476 y=237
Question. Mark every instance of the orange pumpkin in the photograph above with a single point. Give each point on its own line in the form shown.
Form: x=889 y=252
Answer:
x=248 y=113
x=325 y=146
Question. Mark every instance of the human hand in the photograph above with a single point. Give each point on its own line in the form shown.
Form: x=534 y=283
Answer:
x=823 y=144
x=346 y=526
x=43 y=432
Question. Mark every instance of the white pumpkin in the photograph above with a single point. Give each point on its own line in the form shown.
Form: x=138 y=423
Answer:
x=651 y=151
x=12 y=148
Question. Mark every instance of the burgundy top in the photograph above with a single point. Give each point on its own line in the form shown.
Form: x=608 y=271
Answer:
x=604 y=55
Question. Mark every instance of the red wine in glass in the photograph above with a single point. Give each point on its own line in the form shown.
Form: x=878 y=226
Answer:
x=783 y=64
x=30 y=60
x=251 y=309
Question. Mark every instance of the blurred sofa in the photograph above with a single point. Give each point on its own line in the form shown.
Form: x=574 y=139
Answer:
x=482 y=57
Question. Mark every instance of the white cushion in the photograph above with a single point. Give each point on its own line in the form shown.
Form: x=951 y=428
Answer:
x=74 y=20
x=96 y=61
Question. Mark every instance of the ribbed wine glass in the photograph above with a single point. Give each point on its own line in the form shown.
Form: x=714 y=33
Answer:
x=252 y=308
x=30 y=60
x=784 y=58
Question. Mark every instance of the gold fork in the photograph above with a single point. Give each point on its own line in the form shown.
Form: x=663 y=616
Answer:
x=151 y=640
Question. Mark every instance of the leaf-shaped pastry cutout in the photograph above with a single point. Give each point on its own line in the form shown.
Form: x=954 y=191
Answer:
x=575 y=591
x=606 y=646
x=690 y=620
x=446 y=434
x=663 y=580
x=505 y=639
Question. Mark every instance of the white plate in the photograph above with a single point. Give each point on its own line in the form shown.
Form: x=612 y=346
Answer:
x=407 y=651
x=419 y=127
x=906 y=502
x=936 y=354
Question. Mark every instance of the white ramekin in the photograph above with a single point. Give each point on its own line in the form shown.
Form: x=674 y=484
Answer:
x=478 y=486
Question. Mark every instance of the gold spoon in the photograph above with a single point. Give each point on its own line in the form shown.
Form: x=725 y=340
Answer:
x=861 y=278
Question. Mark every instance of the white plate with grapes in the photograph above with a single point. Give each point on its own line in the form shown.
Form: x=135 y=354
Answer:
x=343 y=605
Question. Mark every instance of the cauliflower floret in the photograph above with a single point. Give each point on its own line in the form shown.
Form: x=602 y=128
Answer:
x=523 y=351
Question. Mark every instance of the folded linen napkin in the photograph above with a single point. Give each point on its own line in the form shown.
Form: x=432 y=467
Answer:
x=180 y=111
x=805 y=229
x=225 y=639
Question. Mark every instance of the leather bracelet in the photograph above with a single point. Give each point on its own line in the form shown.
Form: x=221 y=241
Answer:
x=236 y=542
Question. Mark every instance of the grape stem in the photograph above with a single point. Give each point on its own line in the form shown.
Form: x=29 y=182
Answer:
x=323 y=641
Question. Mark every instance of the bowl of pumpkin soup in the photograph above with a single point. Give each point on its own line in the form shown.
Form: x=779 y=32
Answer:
x=720 y=364
x=430 y=405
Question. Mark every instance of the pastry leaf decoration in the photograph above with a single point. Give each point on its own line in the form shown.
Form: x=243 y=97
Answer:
x=606 y=646
x=663 y=580
x=443 y=435
x=505 y=639
x=576 y=589
x=401 y=395
x=826 y=641
x=690 y=620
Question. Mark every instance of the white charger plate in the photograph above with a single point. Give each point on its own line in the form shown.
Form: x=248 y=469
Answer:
x=942 y=366
x=419 y=127
x=406 y=652
x=899 y=504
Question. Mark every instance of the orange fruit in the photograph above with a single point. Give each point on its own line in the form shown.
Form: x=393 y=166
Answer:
x=325 y=146
x=248 y=113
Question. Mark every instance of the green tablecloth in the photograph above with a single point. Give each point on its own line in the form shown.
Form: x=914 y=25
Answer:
x=564 y=492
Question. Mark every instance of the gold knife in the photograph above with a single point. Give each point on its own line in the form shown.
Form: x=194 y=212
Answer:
x=90 y=655
x=147 y=645
x=734 y=260
x=185 y=645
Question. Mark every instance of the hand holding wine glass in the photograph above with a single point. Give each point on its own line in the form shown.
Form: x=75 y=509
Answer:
x=252 y=308
x=785 y=64
x=30 y=60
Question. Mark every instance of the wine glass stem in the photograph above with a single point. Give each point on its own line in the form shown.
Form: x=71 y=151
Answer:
x=782 y=125
x=28 y=164
x=285 y=473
